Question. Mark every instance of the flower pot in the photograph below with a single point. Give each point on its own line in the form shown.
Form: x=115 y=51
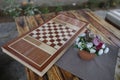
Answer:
x=86 y=55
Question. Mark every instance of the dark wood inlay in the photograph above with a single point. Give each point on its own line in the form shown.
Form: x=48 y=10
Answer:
x=30 y=51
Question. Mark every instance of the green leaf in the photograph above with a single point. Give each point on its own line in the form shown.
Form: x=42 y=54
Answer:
x=59 y=8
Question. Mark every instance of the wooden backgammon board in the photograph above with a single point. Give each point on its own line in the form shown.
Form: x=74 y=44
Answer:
x=40 y=48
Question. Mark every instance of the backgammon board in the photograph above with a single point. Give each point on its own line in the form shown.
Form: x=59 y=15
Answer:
x=40 y=48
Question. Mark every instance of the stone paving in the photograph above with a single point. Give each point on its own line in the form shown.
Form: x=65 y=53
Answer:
x=9 y=68
x=7 y=32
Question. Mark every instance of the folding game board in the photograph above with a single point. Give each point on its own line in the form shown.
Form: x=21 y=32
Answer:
x=40 y=48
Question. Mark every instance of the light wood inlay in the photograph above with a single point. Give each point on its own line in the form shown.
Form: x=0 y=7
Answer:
x=40 y=45
x=34 y=41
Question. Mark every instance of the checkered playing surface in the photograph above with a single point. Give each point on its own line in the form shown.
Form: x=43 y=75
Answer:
x=53 y=34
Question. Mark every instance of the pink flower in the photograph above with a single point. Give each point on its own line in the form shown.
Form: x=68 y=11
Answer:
x=96 y=41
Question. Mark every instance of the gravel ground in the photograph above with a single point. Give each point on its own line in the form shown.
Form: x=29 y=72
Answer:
x=9 y=68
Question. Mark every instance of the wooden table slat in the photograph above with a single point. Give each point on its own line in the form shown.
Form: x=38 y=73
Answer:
x=54 y=73
x=47 y=17
x=22 y=26
x=31 y=22
x=39 y=19
x=68 y=76
x=78 y=16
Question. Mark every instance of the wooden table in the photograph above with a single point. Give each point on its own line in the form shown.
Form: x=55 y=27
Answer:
x=99 y=26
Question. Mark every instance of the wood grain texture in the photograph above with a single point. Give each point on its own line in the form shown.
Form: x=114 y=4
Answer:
x=32 y=40
x=47 y=17
x=39 y=19
x=54 y=74
x=97 y=25
x=22 y=26
x=31 y=22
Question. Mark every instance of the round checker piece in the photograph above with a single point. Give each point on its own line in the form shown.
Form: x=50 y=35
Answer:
x=53 y=34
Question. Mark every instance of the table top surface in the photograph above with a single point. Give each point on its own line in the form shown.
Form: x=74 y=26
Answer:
x=110 y=34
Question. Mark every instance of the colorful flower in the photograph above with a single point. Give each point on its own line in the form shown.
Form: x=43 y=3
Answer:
x=100 y=52
x=96 y=41
x=92 y=50
x=77 y=40
x=106 y=50
x=91 y=35
x=91 y=43
x=99 y=46
x=80 y=45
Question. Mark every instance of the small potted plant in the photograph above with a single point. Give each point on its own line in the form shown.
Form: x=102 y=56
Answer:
x=90 y=45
